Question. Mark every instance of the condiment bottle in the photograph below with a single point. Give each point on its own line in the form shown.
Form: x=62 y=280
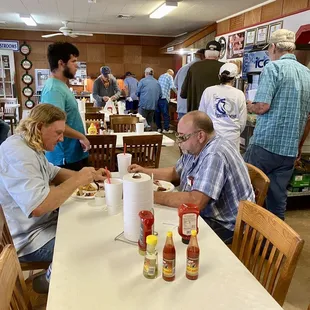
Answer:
x=150 y=267
x=92 y=130
x=192 y=260
x=146 y=229
x=188 y=220
x=169 y=259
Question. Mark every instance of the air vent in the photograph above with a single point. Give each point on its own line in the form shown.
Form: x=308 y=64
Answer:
x=123 y=16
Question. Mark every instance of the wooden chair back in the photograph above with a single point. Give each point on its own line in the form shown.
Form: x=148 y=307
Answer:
x=94 y=116
x=13 y=291
x=268 y=247
x=89 y=104
x=123 y=123
x=145 y=149
x=260 y=183
x=93 y=109
x=102 y=151
x=2 y=110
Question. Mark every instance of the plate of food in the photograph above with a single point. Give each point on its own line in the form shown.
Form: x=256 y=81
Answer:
x=86 y=192
x=162 y=186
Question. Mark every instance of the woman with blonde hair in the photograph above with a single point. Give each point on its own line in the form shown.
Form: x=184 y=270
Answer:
x=27 y=198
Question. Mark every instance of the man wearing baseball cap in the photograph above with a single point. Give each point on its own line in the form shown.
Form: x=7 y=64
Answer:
x=282 y=103
x=105 y=87
x=201 y=75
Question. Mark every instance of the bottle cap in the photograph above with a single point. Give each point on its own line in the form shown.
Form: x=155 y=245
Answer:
x=169 y=234
x=194 y=233
x=151 y=239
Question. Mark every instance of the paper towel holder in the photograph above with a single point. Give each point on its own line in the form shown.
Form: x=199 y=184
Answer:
x=136 y=175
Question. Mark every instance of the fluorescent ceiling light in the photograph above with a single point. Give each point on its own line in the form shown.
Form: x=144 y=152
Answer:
x=247 y=10
x=28 y=20
x=164 y=9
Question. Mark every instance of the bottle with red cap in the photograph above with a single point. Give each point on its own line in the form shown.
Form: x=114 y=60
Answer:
x=188 y=220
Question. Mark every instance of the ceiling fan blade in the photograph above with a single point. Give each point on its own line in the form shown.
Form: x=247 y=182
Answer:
x=72 y=35
x=83 y=34
x=52 y=35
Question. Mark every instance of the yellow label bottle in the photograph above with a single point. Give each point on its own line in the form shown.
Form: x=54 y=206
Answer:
x=92 y=130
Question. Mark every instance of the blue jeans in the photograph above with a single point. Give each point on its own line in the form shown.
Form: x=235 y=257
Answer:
x=162 y=108
x=44 y=254
x=132 y=105
x=180 y=115
x=223 y=233
x=4 y=130
x=279 y=170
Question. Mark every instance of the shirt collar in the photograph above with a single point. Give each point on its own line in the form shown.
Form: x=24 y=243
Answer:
x=288 y=56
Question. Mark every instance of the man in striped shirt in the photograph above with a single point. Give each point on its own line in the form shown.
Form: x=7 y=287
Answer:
x=211 y=173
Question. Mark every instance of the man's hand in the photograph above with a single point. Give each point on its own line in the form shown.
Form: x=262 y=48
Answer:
x=100 y=175
x=85 y=144
x=105 y=98
x=135 y=168
x=249 y=106
x=113 y=98
x=86 y=175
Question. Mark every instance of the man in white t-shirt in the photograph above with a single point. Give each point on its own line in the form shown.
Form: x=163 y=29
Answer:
x=226 y=105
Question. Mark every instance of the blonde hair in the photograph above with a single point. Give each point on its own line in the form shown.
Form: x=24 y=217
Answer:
x=285 y=47
x=43 y=114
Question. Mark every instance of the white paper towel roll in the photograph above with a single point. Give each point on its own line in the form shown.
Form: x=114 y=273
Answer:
x=138 y=196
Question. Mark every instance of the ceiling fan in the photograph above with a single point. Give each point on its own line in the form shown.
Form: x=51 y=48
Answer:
x=68 y=32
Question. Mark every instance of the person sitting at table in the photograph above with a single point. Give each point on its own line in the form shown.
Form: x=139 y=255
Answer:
x=211 y=173
x=31 y=188
x=105 y=87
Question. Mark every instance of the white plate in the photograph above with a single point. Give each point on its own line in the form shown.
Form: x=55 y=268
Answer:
x=74 y=195
x=169 y=186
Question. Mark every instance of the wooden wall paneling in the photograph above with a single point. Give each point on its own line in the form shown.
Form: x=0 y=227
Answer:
x=93 y=69
x=252 y=17
x=132 y=40
x=132 y=54
x=114 y=39
x=166 y=62
x=150 y=41
x=114 y=54
x=117 y=69
x=96 y=38
x=237 y=22
x=223 y=27
x=82 y=47
x=136 y=69
x=96 y=53
x=150 y=55
x=272 y=10
x=290 y=6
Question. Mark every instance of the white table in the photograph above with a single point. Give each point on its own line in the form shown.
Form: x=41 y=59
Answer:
x=92 y=271
x=119 y=137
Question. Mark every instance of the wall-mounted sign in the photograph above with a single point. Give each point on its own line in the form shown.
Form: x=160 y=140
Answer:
x=29 y=104
x=26 y=64
x=170 y=49
x=9 y=45
x=235 y=45
x=222 y=41
x=27 y=79
x=24 y=49
x=27 y=91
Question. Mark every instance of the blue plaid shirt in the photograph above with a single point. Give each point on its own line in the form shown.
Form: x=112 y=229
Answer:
x=166 y=83
x=220 y=173
x=285 y=85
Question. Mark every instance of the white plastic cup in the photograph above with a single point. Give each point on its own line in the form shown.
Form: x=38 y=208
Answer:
x=139 y=128
x=113 y=195
x=99 y=198
x=123 y=162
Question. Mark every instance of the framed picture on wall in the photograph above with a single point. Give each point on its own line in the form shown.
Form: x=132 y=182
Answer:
x=275 y=26
x=250 y=37
x=262 y=35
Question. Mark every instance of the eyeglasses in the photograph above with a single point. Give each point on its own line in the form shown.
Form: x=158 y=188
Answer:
x=184 y=138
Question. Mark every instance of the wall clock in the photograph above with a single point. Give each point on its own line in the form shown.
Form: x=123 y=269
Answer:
x=26 y=64
x=29 y=104
x=24 y=49
x=27 y=79
x=27 y=91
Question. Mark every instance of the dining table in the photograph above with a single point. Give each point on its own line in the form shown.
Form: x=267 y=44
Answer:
x=93 y=270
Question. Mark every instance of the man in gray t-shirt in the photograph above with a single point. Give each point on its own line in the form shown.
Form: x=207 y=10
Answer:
x=28 y=198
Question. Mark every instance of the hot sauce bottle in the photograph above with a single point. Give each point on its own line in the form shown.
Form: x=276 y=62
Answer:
x=188 y=220
x=146 y=229
x=192 y=260
x=169 y=259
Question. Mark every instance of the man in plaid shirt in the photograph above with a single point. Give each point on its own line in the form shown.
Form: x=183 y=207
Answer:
x=282 y=103
x=211 y=173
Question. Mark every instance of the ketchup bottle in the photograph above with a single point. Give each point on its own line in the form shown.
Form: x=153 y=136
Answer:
x=146 y=229
x=192 y=260
x=169 y=259
x=188 y=220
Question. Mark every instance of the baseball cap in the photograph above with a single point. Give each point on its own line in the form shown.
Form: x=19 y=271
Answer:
x=149 y=70
x=214 y=46
x=128 y=73
x=201 y=51
x=231 y=68
x=105 y=70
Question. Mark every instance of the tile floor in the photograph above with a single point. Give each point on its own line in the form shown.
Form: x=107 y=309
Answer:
x=298 y=217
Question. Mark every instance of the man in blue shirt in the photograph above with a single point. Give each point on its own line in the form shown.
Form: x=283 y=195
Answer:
x=148 y=92
x=131 y=85
x=72 y=152
x=282 y=103
x=211 y=173
x=166 y=83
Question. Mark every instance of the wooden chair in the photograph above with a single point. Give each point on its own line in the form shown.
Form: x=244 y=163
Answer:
x=123 y=123
x=102 y=151
x=13 y=291
x=260 y=183
x=145 y=149
x=9 y=112
x=89 y=105
x=268 y=247
x=94 y=116
x=6 y=238
x=93 y=109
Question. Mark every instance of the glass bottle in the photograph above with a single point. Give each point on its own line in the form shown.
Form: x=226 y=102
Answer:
x=192 y=260
x=169 y=259
x=150 y=267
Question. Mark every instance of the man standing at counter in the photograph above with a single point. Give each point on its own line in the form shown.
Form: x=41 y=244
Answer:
x=202 y=75
x=179 y=80
x=282 y=103
x=105 y=87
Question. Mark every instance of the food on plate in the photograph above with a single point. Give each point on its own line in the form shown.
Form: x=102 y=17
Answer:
x=161 y=189
x=157 y=183
x=89 y=188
